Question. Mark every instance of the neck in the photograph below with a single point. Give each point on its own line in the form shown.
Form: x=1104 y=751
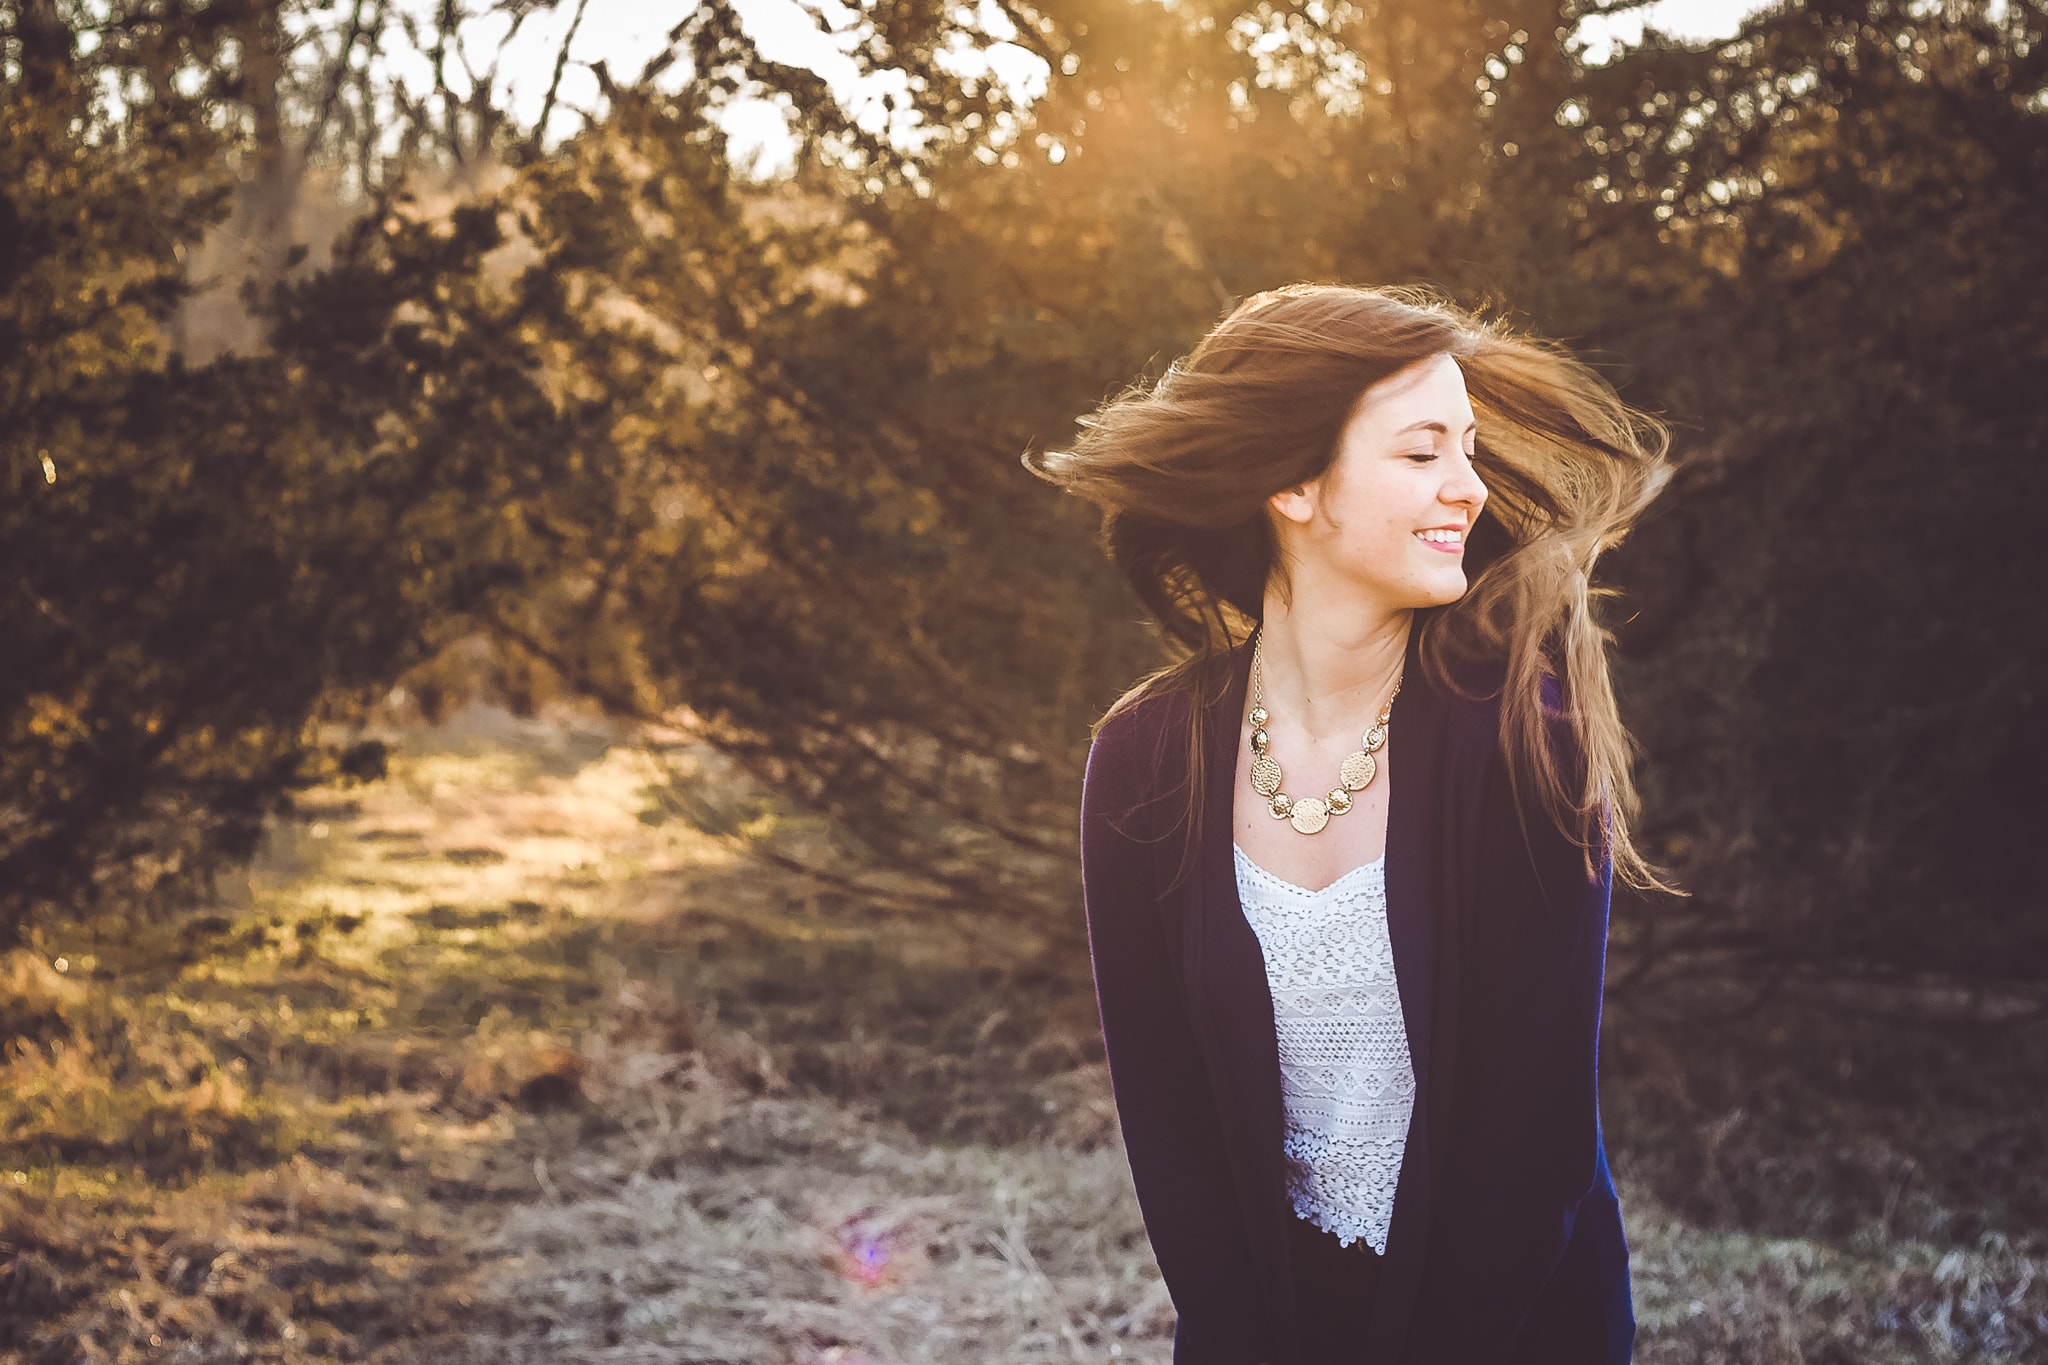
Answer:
x=1330 y=668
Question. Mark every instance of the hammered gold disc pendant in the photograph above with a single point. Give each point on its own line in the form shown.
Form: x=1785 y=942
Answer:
x=1265 y=775
x=1358 y=771
x=1310 y=814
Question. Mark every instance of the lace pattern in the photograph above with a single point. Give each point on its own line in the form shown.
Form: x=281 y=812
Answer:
x=1345 y=1073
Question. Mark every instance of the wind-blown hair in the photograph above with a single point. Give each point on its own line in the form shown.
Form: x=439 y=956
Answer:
x=1182 y=471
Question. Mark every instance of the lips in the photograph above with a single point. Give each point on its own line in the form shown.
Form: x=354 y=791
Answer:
x=1448 y=540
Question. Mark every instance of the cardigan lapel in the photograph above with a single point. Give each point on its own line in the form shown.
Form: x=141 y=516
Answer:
x=1232 y=1004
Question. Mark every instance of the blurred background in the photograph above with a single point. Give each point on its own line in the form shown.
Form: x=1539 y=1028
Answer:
x=543 y=718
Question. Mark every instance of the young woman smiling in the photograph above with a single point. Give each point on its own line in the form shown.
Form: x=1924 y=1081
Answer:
x=1347 y=861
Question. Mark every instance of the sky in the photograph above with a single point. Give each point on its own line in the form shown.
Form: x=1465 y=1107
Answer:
x=819 y=34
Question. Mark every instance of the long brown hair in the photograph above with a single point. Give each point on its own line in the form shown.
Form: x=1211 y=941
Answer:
x=1182 y=470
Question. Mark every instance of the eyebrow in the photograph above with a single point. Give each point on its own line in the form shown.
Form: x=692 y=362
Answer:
x=1433 y=426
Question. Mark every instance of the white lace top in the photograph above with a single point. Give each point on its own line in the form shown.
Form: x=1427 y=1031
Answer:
x=1345 y=1073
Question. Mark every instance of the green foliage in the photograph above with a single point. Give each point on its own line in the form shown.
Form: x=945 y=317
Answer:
x=746 y=455
x=106 y=456
x=1838 y=635
x=200 y=557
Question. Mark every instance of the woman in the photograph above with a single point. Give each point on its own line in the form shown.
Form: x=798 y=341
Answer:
x=1347 y=862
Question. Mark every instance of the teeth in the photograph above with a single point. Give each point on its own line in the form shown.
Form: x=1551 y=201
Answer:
x=1443 y=537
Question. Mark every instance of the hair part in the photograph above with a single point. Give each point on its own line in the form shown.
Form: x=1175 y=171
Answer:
x=1183 y=468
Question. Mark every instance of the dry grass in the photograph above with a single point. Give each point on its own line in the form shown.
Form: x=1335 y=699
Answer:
x=502 y=1060
x=721 y=1225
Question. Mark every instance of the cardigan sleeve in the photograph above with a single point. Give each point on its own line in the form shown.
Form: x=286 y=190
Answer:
x=1166 y=1109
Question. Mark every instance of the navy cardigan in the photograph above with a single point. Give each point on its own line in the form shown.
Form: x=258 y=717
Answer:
x=1506 y=1244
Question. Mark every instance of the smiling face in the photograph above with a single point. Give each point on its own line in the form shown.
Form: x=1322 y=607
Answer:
x=1389 y=516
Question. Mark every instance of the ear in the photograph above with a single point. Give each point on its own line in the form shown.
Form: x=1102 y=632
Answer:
x=1297 y=504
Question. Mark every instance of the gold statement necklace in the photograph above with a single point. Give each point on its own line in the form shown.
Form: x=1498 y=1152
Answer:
x=1311 y=813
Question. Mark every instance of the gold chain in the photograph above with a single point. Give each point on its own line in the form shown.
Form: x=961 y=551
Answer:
x=1311 y=813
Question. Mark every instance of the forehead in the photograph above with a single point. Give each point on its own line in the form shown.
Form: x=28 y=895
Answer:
x=1431 y=390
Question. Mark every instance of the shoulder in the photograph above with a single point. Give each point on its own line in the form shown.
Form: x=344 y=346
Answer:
x=1131 y=743
x=1473 y=697
x=1148 y=727
x=1477 y=693
x=1487 y=736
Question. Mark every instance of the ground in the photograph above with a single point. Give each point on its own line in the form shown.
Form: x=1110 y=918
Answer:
x=527 y=1054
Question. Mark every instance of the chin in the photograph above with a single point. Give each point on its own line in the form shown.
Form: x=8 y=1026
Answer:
x=1444 y=591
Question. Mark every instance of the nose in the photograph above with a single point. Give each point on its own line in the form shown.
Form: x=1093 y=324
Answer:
x=1464 y=487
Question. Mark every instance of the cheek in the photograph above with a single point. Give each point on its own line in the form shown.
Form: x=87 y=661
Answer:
x=1387 y=547
x=1379 y=517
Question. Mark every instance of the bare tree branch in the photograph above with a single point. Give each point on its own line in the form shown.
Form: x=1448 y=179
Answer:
x=547 y=106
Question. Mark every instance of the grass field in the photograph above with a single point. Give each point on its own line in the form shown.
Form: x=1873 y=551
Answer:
x=523 y=1055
